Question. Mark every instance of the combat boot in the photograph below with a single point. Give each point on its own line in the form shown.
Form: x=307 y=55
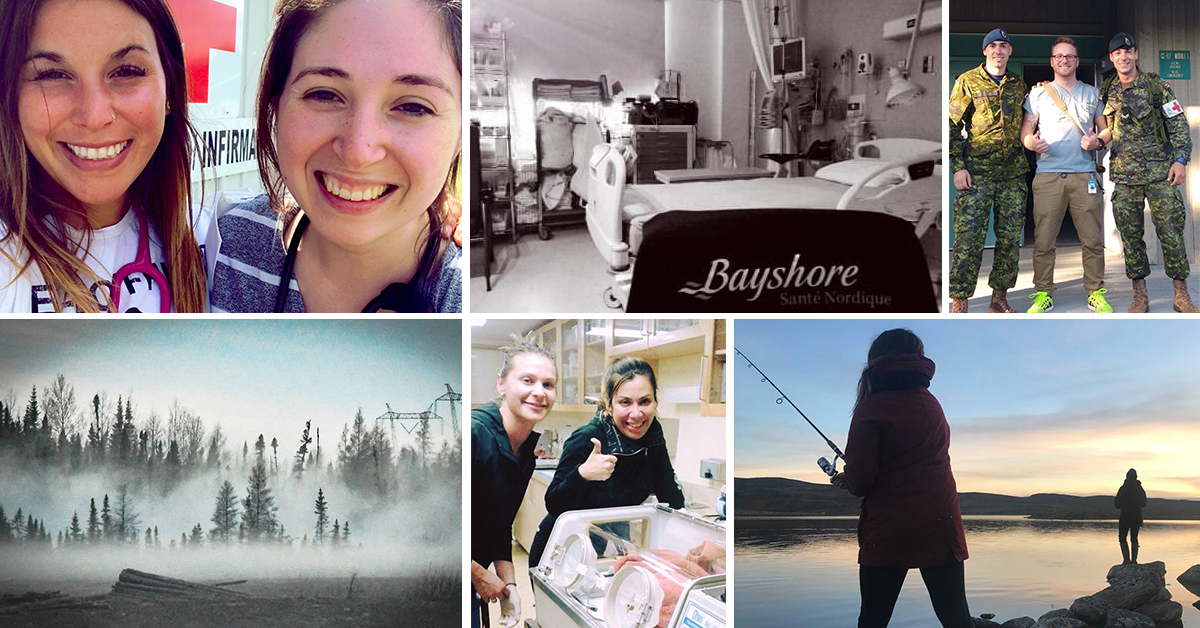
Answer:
x=958 y=306
x=1183 y=300
x=999 y=304
x=1141 y=303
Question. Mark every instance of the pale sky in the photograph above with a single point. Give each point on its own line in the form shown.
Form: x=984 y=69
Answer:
x=1064 y=406
x=251 y=376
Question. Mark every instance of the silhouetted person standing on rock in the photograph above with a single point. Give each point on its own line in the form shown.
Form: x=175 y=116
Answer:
x=1131 y=499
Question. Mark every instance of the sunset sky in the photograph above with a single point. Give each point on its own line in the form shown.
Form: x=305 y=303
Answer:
x=251 y=376
x=1033 y=406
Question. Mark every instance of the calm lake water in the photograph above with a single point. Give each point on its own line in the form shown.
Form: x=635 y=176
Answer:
x=798 y=572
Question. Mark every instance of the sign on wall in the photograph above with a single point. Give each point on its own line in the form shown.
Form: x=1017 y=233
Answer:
x=213 y=34
x=1175 y=64
x=213 y=37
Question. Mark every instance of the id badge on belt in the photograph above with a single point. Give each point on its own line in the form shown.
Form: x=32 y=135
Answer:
x=1093 y=184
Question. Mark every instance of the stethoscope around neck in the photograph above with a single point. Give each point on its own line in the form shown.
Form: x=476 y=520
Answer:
x=397 y=297
x=141 y=264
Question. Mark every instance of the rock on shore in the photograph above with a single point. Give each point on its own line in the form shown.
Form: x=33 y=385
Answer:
x=1190 y=579
x=1136 y=597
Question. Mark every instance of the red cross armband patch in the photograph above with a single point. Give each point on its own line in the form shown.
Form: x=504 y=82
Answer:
x=1172 y=108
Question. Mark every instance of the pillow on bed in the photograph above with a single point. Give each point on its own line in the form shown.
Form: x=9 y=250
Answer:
x=852 y=171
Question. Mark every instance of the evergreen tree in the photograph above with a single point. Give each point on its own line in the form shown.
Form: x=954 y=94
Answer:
x=216 y=442
x=337 y=535
x=115 y=445
x=197 y=538
x=45 y=440
x=183 y=539
x=149 y=539
x=76 y=452
x=258 y=509
x=322 y=517
x=156 y=544
x=5 y=528
x=225 y=515
x=76 y=532
x=346 y=531
x=93 y=529
x=95 y=442
x=260 y=449
x=29 y=426
x=125 y=520
x=274 y=456
x=302 y=453
x=60 y=538
x=173 y=463
x=31 y=529
x=106 y=527
x=18 y=524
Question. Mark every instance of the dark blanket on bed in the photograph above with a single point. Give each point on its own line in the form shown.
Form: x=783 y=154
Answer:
x=780 y=260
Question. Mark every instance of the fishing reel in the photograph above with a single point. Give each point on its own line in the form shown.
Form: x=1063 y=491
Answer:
x=830 y=468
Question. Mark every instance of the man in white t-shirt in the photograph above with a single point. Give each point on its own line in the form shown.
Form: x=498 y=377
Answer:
x=1066 y=176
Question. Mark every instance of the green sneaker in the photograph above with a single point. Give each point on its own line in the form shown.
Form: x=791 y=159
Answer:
x=1097 y=304
x=1042 y=303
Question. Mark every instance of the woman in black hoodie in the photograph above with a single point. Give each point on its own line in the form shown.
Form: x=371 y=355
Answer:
x=617 y=459
x=1131 y=499
x=502 y=461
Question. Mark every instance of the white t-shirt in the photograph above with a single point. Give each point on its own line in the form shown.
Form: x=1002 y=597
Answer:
x=111 y=248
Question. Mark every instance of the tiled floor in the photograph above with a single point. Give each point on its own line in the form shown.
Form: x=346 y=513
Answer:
x=563 y=274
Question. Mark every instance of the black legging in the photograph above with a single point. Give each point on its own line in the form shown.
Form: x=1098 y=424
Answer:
x=1122 y=528
x=880 y=586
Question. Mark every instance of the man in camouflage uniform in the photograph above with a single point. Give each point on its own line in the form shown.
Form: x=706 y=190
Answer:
x=1148 y=133
x=989 y=173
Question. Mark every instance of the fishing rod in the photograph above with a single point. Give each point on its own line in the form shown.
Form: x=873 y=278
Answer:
x=830 y=468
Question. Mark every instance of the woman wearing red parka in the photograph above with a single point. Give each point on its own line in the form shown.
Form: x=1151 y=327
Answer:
x=898 y=461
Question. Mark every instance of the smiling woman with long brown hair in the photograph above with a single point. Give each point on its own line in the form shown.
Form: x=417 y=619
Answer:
x=94 y=160
x=359 y=134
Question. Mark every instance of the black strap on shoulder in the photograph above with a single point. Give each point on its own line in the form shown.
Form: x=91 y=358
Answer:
x=396 y=297
x=402 y=297
x=285 y=275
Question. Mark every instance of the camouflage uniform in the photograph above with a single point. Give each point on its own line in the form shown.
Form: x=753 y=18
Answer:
x=1145 y=143
x=993 y=155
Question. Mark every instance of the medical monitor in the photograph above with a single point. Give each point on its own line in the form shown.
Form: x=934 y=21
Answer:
x=788 y=59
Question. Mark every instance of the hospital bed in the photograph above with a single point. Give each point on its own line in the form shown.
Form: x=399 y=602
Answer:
x=631 y=567
x=899 y=177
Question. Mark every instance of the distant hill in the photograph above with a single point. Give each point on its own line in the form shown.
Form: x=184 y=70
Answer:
x=781 y=496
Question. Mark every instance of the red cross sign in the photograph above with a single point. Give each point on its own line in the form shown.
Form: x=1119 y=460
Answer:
x=203 y=25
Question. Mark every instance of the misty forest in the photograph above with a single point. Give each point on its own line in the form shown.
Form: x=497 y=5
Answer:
x=91 y=471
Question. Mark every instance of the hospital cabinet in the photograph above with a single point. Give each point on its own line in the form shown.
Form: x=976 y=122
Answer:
x=578 y=347
x=583 y=348
x=660 y=147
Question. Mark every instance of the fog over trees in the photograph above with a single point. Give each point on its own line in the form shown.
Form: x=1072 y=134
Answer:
x=90 y=470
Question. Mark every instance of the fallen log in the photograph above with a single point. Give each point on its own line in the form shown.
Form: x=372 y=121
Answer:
x=154 y=582
x=159 y=592
x=229 y=583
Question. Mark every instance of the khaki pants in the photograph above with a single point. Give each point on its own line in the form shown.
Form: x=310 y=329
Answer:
x=1053 y=193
